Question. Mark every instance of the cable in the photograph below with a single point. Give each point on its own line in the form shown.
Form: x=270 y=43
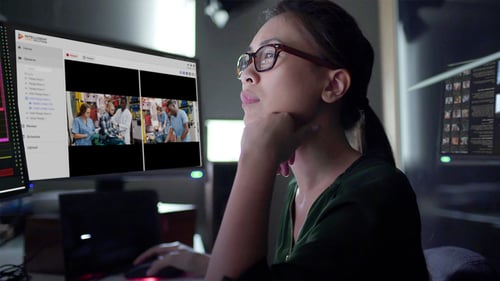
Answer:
x=11 y=272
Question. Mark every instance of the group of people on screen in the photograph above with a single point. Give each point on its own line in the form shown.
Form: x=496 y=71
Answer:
x=114 y=125
x=172 y=126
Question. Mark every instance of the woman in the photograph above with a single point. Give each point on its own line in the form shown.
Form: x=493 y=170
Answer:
x=83 y=126
x=350 y=214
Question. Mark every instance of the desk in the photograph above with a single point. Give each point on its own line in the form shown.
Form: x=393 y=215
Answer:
x=52 y=277
x=12 y=253
x=43 y=239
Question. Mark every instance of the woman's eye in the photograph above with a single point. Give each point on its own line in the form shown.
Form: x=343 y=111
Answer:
x=269 y=55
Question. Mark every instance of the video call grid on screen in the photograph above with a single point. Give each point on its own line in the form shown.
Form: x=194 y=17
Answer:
x=56 y=75
x=470 y=127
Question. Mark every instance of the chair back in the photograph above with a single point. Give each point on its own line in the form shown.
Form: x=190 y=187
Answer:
x=451 y=263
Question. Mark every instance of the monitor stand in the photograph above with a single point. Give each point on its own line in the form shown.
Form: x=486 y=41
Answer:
x=110 y=185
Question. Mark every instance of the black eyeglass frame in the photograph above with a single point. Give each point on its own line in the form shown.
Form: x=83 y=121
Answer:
x=278 y=48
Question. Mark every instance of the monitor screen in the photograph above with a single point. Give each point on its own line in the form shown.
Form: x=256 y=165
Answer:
x=470 y=129
x=13 y=176
x=88 y=107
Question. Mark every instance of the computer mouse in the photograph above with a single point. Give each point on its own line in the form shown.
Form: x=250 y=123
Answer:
x=139 y=271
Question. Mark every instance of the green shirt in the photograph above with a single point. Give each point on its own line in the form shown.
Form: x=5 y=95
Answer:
x=365 y=226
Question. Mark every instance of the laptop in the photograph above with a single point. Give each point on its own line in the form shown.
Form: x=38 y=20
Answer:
x=103 y=232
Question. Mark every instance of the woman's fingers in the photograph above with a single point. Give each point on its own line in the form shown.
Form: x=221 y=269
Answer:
x=158 y=265
x=184 y=259
x=300 y=136
x=283 y=169
x=145 y=255
x=156 y=251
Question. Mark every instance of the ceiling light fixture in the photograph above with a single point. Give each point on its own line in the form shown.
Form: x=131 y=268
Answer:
x=217 y=13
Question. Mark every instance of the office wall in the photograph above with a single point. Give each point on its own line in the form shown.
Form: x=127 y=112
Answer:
x=117 y=20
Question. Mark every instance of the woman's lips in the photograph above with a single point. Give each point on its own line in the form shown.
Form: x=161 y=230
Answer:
x=248 y=98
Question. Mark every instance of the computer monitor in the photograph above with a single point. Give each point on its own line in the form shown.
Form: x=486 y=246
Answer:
x=470 y=116
x=13 y=175
x=88 y=107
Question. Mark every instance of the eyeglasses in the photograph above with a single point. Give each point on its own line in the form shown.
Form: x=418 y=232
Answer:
x=265 y=58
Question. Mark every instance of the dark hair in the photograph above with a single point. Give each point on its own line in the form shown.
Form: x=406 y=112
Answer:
x=171 y=102
x=124 y=99
x=338 y=35
x=83 y=109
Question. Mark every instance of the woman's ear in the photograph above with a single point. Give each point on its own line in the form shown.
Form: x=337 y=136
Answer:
x=339 y=81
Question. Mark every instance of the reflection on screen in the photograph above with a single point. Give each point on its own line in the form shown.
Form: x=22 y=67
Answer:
x=470 y=129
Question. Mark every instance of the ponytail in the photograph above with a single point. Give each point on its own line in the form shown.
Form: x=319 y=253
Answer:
x=368 y=136
x=375 y=141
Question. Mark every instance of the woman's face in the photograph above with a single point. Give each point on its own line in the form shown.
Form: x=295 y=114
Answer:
x=293 y=85
x=87 y=113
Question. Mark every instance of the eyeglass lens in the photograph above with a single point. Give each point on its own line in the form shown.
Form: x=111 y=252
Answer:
x=242 y=64
x=264 y=59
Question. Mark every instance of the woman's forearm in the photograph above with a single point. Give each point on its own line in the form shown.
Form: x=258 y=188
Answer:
x=242 y=238
x=79 y=136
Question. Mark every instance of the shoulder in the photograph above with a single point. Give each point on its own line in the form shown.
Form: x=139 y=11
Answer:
x=376 y=184
x=183 y=115
x=370 y=171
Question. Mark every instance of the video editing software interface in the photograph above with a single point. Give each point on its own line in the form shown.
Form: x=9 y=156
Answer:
x=88 y=108
x=470 y=131
x=13 y=177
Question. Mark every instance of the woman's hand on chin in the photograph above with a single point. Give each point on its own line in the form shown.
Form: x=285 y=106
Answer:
x=276 y=137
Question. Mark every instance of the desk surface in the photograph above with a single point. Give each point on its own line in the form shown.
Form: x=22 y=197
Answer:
x=12 y=253
x=48 y=277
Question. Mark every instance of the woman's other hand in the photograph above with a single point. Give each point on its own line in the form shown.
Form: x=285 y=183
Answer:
x=177 y=255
